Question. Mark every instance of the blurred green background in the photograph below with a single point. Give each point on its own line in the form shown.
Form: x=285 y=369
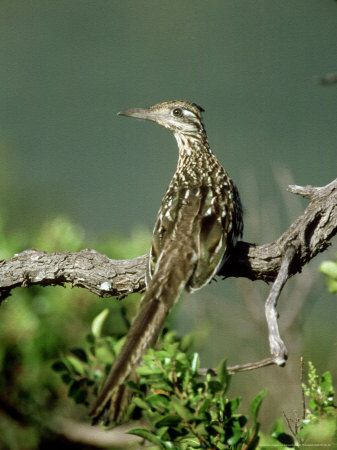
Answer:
x=68 y=66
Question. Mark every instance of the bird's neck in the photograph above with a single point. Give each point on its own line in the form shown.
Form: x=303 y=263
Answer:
x=194 y=154
x=192 y=143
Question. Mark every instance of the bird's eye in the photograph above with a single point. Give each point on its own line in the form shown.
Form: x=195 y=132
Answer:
x=177 y=112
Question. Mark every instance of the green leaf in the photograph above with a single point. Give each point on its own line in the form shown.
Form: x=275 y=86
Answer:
x=285 y=439
x=172 y=349
x=146 y=370
x=114 y=345
x=329 y=268
x=218 y=428
x=133 y=386
x=332 y=285
x=326 y=384
x=76 y=364
x=237 y=435
x=98 y=322
x=190 y=442
x=59 y=366
x=205 y=405
x=223 y=374
x=256 y=403
x=141 y=403
x=146 y=434
x=158 y=401
x=200 y=428
x=242 y=420
x=76 y=392
x=186 y=342
x=162 y=433
x=66 y=378
x=233 y=405
x=215 y=386
x=168 y=419
x=181 y=409
x=80 y=353
x=162 y=354
x=313 y=404
x=104 y=355
x=277 y=428
x=195 y=363
x=90 y=338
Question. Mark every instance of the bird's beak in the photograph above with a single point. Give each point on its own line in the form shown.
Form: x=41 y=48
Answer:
x=139 y=113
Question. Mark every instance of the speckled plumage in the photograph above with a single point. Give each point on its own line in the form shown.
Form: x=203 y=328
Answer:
x=220 y=215
x=198 y=224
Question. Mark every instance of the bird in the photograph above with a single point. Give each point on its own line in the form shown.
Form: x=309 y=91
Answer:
x=197 y=227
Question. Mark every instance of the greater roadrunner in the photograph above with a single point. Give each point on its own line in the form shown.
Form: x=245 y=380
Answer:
x=198 y=224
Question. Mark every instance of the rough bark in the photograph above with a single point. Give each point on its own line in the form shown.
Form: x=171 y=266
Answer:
x=310 y=234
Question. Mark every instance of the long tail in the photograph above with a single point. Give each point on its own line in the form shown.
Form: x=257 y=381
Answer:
x=174 y=270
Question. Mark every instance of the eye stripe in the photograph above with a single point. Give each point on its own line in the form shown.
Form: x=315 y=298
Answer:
x=188 y=113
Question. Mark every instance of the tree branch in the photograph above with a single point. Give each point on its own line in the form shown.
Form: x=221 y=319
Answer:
x=105 y=277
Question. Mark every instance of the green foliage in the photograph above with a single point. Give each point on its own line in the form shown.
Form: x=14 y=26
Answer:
x=320 y=423
x=183 y=411
x=319 y=427
x=84 y=369
x=279 y=435
x=329 y=268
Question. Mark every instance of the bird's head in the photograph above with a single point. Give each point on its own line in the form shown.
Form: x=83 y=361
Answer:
x=178 y=116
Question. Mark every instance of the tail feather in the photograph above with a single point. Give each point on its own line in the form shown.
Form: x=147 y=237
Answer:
x=163 y=290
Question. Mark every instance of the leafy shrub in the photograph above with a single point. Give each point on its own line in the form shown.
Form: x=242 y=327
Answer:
x=180 y=409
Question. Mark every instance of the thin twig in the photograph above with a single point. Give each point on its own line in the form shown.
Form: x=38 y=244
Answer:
x=240 y=367
x=292 y=431
x=277 y=347
x=302 y=390
x=303 y=191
